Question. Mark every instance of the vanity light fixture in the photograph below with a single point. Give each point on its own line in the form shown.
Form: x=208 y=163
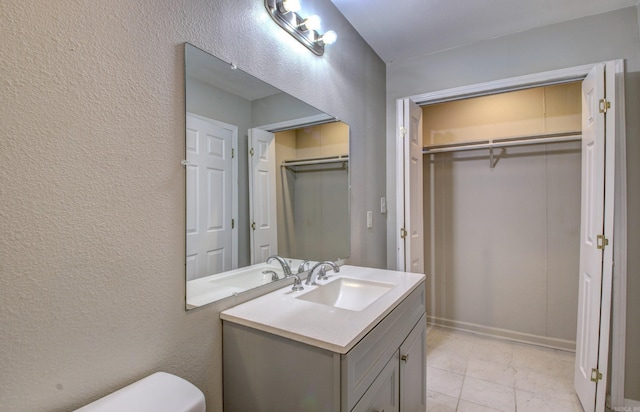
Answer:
x=285 y=13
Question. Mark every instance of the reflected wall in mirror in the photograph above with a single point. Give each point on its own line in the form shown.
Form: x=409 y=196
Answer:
x=266 y=174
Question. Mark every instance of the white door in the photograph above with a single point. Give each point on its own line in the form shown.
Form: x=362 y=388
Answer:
x=410 y=213
x=262 y=195
x=594 y=299
x=210 y=200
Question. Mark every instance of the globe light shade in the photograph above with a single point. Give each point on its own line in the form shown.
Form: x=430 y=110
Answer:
x=329 y=37
x=291 y=5
x=311 y=23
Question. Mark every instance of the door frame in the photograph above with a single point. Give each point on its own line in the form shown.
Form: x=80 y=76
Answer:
x=619 y=275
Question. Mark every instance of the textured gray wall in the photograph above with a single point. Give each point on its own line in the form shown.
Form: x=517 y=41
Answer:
x=92 y=214
x=608 y=36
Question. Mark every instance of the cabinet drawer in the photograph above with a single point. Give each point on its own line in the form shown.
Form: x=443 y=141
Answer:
x=362 y=364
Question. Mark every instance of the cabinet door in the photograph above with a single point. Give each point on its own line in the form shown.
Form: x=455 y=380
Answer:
x=382 y=395
x=413 y=369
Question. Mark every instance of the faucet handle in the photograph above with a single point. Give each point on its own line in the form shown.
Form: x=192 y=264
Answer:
x=274 y=275
x=297 y=284
x=323 y=274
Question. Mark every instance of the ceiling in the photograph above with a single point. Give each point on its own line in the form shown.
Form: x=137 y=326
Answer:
x=401 y=29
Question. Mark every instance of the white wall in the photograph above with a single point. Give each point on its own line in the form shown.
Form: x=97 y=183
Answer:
x=92 y=242
x=592 y=39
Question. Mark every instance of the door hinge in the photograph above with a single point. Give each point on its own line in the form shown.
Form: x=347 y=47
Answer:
x=233 y=152
x=185 y=163
x=233 y=223
x=253 y=226
x=602 y=242
x=403 y=233
x=251 y=151
x=595 y=375
x=604 y=105
x=403 y=131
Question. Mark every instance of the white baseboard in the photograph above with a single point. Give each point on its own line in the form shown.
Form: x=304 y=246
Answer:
x=629 y=406
x=506 y=334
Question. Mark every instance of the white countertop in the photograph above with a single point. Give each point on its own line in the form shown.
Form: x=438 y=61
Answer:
x=327 y=327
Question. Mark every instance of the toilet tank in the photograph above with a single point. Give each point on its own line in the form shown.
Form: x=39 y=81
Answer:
x=160 y=392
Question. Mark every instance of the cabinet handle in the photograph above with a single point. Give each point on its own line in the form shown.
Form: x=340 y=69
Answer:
x=405 y=358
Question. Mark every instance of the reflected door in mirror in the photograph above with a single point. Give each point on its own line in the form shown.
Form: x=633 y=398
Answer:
x=210 y=226
x=262 y=187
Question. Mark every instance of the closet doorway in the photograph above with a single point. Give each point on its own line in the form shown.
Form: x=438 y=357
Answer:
x=501 y=202
x=507 y=219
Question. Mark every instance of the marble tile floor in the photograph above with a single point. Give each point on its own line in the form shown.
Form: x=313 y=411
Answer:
x=474 y=373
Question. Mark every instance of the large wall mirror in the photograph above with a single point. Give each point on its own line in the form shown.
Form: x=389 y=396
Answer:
x=266 y=174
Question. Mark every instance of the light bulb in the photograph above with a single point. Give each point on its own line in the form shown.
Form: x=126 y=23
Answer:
x=311 y=23
x=329 y=37
x=291 y=5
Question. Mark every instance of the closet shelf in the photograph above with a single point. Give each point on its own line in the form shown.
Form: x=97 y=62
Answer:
x=505 y=142
x=296 y=165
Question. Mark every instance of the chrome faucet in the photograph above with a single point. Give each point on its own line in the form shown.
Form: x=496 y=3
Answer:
x=285 y=266
x=312 y=277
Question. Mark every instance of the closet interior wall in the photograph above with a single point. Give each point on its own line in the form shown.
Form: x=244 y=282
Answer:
x=313 y=206
x=502 y=243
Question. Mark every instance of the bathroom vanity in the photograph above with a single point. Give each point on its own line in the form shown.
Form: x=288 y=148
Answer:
x=356 y=342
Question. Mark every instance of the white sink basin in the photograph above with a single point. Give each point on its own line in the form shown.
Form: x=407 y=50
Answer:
x=348 y=293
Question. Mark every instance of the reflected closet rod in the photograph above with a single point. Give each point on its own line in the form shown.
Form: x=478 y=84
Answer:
x=291 y=164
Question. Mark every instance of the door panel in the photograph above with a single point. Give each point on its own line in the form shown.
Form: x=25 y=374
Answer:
x=210 y=245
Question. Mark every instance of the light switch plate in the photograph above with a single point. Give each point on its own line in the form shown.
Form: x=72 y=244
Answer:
x=369 y=219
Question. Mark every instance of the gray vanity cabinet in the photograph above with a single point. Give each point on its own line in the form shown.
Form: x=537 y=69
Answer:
x=413 y=369
x=402 y=383
x=384 y=371
x=384 y=393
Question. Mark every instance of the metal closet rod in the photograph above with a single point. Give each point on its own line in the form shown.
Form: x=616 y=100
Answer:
x=504 y=142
